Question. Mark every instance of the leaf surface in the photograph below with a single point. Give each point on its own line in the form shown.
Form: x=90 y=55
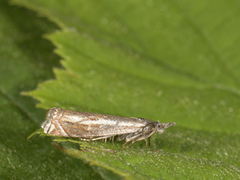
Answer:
x=26 y=59
x=162 y=60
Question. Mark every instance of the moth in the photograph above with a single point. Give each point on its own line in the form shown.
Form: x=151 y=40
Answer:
x=92 y=126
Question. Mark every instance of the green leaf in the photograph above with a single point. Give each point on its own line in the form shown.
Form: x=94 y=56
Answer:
x=26 y=59
x=162 y=60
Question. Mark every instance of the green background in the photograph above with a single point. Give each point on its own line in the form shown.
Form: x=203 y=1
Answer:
x=162 y=60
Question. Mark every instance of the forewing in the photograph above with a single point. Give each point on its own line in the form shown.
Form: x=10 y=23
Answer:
x=89 y=125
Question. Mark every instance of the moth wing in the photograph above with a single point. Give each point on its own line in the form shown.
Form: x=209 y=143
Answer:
x=89 y=125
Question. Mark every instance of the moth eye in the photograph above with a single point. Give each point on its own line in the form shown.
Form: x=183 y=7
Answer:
x=159 y=126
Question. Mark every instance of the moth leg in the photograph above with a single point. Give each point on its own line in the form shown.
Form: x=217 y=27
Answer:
x=146 y=143
x=136 y=139
x=132 y=137
x=122 y=137
x=83 y=139
x=112 y=138
x=149 y=143
x=132 y=143
x=125 y=144
x=141 y=136
x=94 y=139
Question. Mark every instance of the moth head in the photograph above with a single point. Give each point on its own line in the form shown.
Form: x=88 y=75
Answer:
x=162 y=126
